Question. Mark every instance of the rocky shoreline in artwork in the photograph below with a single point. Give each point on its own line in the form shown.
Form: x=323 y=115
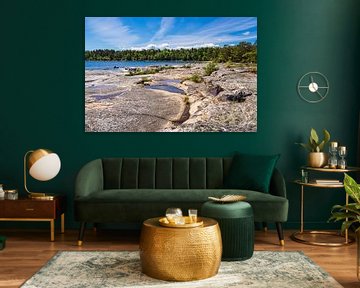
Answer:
x=175 y=99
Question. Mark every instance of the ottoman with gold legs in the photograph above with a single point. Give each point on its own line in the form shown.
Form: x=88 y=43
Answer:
x=180 y=254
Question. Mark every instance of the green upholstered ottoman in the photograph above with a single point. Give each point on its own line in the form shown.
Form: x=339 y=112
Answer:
x=236 y=221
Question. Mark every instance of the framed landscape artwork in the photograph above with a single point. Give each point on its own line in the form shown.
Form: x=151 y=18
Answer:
x=170 y=74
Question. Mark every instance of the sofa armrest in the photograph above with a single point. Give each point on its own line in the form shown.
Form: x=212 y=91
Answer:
x=277 y=184
x=89 y=179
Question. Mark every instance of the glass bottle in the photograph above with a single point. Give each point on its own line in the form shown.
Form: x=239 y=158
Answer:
x=2 y=192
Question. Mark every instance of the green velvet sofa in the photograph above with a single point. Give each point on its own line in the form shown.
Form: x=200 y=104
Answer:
x=130 y=190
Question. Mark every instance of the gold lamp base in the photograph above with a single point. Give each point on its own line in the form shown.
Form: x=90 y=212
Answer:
x=41 y=196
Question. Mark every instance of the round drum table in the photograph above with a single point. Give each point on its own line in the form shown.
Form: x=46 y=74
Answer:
x=180 y=254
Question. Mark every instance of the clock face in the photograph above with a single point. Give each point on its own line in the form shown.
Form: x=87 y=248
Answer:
x=313 y=87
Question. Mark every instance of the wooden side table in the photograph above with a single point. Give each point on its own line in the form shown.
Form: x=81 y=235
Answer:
x=26 y=209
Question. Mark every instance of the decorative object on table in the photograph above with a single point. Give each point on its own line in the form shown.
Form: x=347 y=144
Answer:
x=187 y=223
x=342 y=153
x=313 y=87
x=236 y=221
x=2 y=242
x=350 y=213
x=11 y=194
x=180 y=254
x=304 y=176
x=317 y=157
x=328 y=182
x=193 y=215
x=174 y=215
x=102 y=269
x=43 y=165
x=228 y=198
x=333 y=150
x=2 y=192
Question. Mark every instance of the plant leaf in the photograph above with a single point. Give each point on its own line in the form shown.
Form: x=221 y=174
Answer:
x=352 y=188
x=314 y=135
x=337 y=216
x=321 y=146
x=350 y=207
x=346 y=225
x=306 y=146
x=312 y=144
x=326 y=136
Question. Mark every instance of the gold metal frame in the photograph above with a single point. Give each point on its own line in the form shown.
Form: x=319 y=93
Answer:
x=34 y=156
x=295 y=236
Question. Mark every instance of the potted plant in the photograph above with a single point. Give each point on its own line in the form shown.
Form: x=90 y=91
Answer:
x=350 y=214
x=317 y=157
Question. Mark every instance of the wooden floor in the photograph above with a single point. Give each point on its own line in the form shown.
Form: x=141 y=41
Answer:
x=28 y=250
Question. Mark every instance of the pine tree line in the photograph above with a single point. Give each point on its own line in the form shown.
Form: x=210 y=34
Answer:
x=244 y=52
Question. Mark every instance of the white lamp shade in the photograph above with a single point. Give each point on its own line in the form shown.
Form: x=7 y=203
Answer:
x=46 y=168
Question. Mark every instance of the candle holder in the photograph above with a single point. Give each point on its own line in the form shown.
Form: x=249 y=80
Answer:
x=333 y=161
x=342 y=153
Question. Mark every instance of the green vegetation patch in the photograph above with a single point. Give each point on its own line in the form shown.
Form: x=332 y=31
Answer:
x=144 y=81
x=149 y=70
x=210 y=68
x=195 y=78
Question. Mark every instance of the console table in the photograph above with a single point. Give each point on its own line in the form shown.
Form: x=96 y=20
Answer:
x=27 y=209
x=297 y=235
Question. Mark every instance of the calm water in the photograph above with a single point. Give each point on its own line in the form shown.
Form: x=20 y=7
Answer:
x=111 y=65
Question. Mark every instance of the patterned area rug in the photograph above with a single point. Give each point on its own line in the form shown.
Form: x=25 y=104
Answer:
x=122 y=269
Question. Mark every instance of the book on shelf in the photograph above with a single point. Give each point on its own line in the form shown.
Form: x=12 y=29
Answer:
x=327 y=181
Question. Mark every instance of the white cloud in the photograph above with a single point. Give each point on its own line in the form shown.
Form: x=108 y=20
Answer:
x=166 y=24
x=167 y=46
x=221 y=30
x=110 y=30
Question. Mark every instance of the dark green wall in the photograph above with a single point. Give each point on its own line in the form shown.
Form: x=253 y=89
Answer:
x=42 y=88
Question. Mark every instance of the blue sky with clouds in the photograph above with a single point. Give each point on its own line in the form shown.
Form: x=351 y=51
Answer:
x=138 y=33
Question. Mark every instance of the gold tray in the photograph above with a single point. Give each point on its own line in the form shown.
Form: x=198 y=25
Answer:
x=228 y=198
x=165 y=222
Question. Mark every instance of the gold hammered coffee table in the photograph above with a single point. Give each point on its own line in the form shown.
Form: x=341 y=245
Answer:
x=180 y=254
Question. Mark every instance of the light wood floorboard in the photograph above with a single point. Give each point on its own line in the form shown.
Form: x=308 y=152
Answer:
x=28 y=250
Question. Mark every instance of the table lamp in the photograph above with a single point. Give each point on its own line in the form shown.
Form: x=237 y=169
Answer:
x=43 y=165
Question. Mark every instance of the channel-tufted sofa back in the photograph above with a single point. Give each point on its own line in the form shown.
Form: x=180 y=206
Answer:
x=164 y=173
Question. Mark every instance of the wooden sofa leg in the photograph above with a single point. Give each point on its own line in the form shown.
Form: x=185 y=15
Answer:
x=265 y=227
x=280 y=233
x=81 y=233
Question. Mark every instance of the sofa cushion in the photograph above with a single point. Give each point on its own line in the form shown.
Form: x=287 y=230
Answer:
x=251 y=172
x=266 y=206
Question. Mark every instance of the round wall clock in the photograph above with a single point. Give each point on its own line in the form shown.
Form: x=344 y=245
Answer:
x=313 y=87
